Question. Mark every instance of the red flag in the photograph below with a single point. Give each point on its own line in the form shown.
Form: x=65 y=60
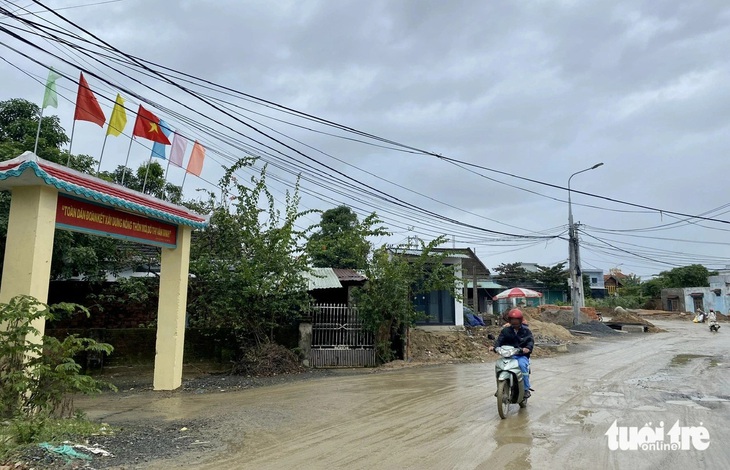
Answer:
x=87 y=108
x=147 y=126
x=195 y=164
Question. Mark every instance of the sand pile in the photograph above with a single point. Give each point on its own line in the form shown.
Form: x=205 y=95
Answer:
x=621 y=315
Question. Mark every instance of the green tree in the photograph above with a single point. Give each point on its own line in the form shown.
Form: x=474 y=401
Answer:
x=341 y=241
x=394 y=277
x=249 y=264
x=513 y=274
x=18 y=126
x=554 y=277
x=631 y=280
x=653 y=287
x=155 y=186
x=694 y=275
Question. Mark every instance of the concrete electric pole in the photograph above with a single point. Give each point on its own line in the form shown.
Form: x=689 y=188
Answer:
x=576 y=275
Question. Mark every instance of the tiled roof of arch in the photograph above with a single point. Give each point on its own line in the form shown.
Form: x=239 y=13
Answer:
x=27 y=169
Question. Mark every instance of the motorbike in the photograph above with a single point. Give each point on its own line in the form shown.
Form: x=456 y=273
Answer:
x=510 y=383
x=714 y=326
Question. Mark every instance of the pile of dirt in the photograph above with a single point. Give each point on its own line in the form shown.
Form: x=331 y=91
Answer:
x=562 y=317
x=450 y=346
x=472 y=344
x=548 y=332
x=621 y=315
x=595 y=328
x=268 y=360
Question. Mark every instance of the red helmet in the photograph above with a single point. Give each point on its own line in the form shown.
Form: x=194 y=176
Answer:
x=515 y=313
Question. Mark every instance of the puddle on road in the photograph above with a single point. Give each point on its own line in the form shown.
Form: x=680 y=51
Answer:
x=514 y=443
x=682 y=359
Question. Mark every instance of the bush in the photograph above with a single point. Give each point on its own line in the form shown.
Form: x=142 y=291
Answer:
x=38 y=379
x=267 y=360
x=632 y=301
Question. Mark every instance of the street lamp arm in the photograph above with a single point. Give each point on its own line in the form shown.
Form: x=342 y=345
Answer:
x=582 y=171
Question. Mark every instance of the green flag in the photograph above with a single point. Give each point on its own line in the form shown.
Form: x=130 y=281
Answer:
x=50 y=98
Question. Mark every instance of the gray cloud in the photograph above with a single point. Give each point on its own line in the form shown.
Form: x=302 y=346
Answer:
x=541 y=89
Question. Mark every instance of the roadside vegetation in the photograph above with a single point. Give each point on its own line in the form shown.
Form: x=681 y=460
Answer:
x=38 y=380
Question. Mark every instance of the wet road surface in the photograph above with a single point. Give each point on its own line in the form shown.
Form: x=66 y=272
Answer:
x=445 y=417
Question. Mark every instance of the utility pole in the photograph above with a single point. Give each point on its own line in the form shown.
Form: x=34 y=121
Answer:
x=576 y=275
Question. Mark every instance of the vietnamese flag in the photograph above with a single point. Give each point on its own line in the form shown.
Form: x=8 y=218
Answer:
x=87 y=107
x=147 y=126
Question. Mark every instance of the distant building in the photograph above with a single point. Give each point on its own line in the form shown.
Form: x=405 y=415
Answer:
x=689 y=299
x=614 y=281
x=530 y=267
x=595 y=277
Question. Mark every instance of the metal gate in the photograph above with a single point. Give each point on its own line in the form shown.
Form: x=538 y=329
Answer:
x=339 y=338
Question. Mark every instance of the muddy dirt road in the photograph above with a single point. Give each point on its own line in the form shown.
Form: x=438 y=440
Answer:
x=445 y=417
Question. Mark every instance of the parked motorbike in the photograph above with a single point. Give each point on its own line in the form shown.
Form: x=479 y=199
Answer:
x=510 y=383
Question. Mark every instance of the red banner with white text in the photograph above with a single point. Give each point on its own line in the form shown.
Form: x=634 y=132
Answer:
x=82 y=216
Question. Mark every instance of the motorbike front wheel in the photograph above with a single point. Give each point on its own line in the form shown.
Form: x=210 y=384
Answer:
x=503 y=398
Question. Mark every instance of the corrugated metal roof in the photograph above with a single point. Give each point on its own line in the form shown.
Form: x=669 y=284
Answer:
x=412 y=252
x=485 y=285
x=322 y=278
x=349 y=275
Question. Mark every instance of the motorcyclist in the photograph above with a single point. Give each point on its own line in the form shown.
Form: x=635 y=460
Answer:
x=518 y=335
x=712 y=318
x=700 y=317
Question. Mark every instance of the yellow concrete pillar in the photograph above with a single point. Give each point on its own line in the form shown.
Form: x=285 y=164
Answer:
x=171 y=312
x=29 y=245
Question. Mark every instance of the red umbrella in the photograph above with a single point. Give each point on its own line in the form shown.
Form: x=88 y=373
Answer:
x=516 y=292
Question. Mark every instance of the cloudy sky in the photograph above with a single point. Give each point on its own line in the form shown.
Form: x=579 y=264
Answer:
x=537 y=89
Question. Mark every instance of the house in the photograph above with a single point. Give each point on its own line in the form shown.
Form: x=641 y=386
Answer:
x=614 y=281
x=486 y=290
x=442 y=308
x=333 y=286
x=689 y=299
x=595 y=277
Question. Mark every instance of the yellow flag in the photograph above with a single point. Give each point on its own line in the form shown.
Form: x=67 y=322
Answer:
x=118 y=119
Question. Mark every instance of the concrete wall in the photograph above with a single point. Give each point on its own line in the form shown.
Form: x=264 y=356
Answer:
x=716 y=297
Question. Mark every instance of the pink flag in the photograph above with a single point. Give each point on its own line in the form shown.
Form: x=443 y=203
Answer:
x=195 y=164
x=179 y=145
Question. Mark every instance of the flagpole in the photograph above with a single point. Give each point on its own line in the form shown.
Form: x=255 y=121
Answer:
x=144 y=185
x=167 y=169
x=126 y=162
x=98 y=168
x=183 y=183
x=71 y=142
x=38 y=133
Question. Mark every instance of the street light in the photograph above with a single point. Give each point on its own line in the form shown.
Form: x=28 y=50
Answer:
x=576 y=279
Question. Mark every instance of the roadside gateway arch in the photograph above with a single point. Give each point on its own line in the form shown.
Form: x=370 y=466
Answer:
x=46 y=196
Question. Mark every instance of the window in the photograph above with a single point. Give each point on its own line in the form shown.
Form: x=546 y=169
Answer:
x=438 y=306
x=698 y=301
x=594 y=280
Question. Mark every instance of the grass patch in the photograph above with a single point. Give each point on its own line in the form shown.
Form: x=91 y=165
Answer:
x=20 y=434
